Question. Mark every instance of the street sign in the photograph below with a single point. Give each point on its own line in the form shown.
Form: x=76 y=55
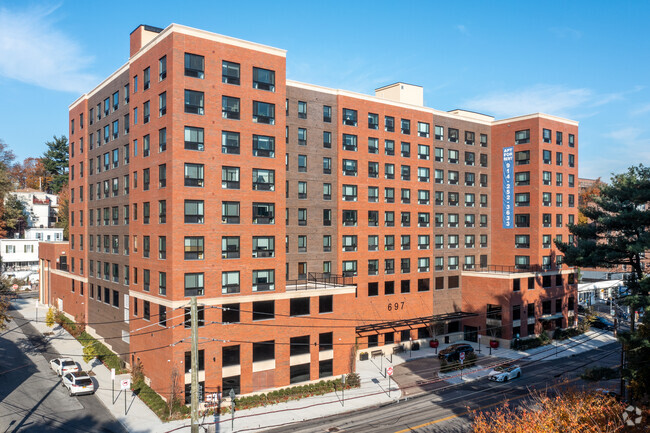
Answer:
x=15 y=287
x=125 y=384
x=461 y=356
x=389 y=371
x=112 y=374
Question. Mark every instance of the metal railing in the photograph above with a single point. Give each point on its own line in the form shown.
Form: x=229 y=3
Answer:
x=319 y=280
x=501 y=269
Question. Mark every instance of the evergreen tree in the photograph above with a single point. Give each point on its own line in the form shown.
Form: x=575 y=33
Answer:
x=617 y=232
x=55 y=161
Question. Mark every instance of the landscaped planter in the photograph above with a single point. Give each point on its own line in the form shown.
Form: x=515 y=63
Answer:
x=434 y=344
x=494 y=344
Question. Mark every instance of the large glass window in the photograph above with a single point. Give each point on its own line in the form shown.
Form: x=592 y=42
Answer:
x=263 y=213
x=230 y=212
x=263 y=112
x=194 y=211
x=263 y=180
x=263 y=146
x=194 y=175
x=230 y=107
x=230 y=177
x=263 y=280
x=194 y=284
x=263 y=246
x=193 y=138
x=194 y=249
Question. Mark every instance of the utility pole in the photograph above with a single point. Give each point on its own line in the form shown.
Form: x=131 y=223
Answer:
x=195 y=366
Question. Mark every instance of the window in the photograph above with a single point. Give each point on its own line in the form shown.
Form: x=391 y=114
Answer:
x=263 y=180
x=558 y=158
x=327 y=113
x=327 y=191
x=349 y=117
x=350 y=142
x=522 y=262
x=349 y=243
x=194 y=65
x=423 y=196
x=373 y=169
x=452 y=177
x=162 y=176
x=373 y=121
x=522 y=137
x=162 y=104
x=373 y=269
x=522 y=158
x=264 y=79
x=406 y=126
x=452 y=199
x=302 y=137
x=389 y=124
x=349 y=167
x=405 y=242
x=423 y=129
x=453 y=135
x=229 y=177
x=162 y=211
x=302 y=216
x=522 y=241
x=405 y=149
x=572 y=140
x=193 y=211
x=230 y=247
x=423 y=219
x=373 y=218
x=194 y=248
x=558 y=200
x=194 y=284
x=302 y=163
x=327 y=243
x=469 y=158
x=546 y=199
x=162 y=140
x=546 y=177
x=389 y=219
x=263 y=112
x=423 y=151
x=373 y=242
x=263 y=146
x=230 y=107
x=145 y=179
x=423 y=264
x=193 y=138
x=453 y=156
x=406 y=196
x=546 y=156
x=349 y=218
x=546 y=135
x=230 y=72
x=389 y=242
x=162 y=246
x=373 y=145
x=469 y=138
x=572 y=161
x=452 y=241
x=522 y=220
x=263 y=246
x=522 y=199
x=263 y=280
x=405 y=172
x=440 y=133
x=558 y=220
x=571 y=200
x=484 y=140
x=389 y=171
x=349 y=193
x=327 y=139
x=302 y=110
x=558 y=138
x=263 y=213
x=194 y=102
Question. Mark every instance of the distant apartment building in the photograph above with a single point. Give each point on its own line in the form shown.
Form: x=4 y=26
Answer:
x=42 y=208
x=313 y=224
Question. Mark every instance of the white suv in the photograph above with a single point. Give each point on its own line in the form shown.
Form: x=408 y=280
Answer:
x=63 y=365
x=78 y=383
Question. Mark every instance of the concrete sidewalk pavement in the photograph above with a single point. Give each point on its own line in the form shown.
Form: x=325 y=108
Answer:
x=374 y=390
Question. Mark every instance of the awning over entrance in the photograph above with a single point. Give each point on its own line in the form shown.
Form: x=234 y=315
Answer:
x=412 y=323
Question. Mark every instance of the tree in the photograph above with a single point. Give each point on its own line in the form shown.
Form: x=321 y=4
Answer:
x=64 y=202
x=617 y=230
x=585 y=197
x=55 y=162
x=14 y=216
x=569 y=411
x=30 y=174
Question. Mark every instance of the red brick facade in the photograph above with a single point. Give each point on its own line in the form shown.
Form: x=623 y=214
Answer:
x=407 y=213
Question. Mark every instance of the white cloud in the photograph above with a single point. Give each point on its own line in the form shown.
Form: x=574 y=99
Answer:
x=544 y=98
x=34 y=51
x=625 y=135
x=641 y=110
x=557 y=100
x=461 y=28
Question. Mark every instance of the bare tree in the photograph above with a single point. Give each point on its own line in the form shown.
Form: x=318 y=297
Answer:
x=174 y=390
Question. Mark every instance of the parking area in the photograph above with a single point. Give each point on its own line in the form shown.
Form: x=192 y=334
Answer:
x=422 y=374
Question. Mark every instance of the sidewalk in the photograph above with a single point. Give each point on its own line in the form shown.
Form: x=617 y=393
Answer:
x=374 y=390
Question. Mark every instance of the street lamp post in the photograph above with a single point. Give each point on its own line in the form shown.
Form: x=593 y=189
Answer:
x=232 y=402
x=410 y=347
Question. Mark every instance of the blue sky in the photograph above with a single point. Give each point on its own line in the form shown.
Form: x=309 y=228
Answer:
x=585 y=60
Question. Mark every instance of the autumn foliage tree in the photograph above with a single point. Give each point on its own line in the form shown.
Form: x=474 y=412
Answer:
x=575 y=411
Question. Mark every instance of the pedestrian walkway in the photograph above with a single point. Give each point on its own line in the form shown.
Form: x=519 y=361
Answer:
x=374 y=390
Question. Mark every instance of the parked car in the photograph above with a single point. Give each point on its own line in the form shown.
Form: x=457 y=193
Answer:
x=451 y=353
x=602 y=323
x=63 y=365
x=504 y=373
x=78 y=382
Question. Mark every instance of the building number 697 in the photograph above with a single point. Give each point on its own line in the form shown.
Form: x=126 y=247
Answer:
x=396 y=306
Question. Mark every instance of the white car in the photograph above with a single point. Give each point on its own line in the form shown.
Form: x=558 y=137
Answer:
x=504 y=373
x=78 y=383
x=63 y=365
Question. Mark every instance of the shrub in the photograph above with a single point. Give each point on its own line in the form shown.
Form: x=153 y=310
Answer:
x=50 y=317
x=90 y=352
x=353 y=380
x=599 y=373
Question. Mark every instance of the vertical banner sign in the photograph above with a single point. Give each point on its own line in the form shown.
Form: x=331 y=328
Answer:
x=508 y=185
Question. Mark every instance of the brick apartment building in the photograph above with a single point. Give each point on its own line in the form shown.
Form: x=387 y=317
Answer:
x=312 y=223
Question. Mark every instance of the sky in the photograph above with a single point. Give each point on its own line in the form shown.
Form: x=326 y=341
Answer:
x=584 y=60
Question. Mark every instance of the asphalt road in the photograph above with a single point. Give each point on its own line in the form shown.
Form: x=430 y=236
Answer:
x=447 y=408
x=32 y=398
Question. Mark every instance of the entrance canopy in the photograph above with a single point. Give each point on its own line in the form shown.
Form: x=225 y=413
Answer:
x=412 y=323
